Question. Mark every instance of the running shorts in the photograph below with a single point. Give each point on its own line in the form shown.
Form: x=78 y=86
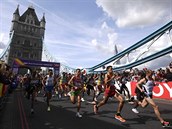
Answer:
x=110 y=91
x=75 y=91
x=49 y=88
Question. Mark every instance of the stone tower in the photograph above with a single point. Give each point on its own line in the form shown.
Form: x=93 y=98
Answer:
x=27 y=36
x=115 y=53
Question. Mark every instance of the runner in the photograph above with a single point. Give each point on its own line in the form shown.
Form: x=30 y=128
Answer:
x=110 y=91
x=34 y=85
x=48 y=83
x=63 y=85
x=26 y=83
x=99 y=86
x=76 y=84
x=123 y=87
x=144 y=95
x=90 y=85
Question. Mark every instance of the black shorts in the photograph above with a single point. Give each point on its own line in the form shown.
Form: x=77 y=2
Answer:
x=90 y=87
x=30 y=89
x=140 y=96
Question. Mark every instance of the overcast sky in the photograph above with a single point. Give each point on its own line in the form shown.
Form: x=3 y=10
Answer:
x=82 y=33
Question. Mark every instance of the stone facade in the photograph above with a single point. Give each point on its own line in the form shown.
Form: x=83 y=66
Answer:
x=28 y=34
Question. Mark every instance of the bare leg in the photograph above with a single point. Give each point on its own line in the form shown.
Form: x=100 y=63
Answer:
x=79 y=103
x=155 y=107
x=121 y=102
x=73 y=99
x=32 y=100
x=103 y=102
x=144 y=103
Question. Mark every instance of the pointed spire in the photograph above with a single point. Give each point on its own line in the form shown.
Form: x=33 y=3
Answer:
x=43 y=18
x=115 y=50
x=31 y=6
x=17 y=10
x=115 y=53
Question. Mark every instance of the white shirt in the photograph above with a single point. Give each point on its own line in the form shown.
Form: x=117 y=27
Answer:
x=49 y=81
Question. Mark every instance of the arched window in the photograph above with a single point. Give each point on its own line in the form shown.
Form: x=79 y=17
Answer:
x=27 y=43
x=18 y=54
x=28 y=21
x=31 y=22
x=21 y=27
x=25 y=28
x=18 y=42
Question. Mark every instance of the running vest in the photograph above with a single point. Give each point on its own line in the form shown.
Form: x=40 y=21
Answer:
x=63 y=80
x=99 y=81
x=91 y=81
x=123 y=80
x=149 y=86
x=111 y=82
x=35 y=82
x=49 y=81
x=77 y=81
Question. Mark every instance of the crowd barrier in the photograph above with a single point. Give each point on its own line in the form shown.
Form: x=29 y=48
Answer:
x=162 y=91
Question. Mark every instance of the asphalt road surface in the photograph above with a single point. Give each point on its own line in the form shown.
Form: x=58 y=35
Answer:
x=16 y=115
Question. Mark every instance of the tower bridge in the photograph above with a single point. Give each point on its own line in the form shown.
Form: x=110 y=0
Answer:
x=26 y=41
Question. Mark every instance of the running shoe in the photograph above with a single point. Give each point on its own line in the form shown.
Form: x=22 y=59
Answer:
x=119 y=117
x=135 y=110
x=95 y=109
x=32 y=111
x=130 y=102
x=60 y=96
x=165 y=124
x=69 y=94
x=78 y=115
x=95 y=99
x=97 y=93
x=82 y=99
x=126 y=98
x=48 y=109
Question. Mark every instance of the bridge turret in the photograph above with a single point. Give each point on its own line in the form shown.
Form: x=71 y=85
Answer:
x=16 y=14
x=42 y=25
x=15 y=20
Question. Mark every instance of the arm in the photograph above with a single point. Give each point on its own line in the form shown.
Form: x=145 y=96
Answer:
x=108 y=80
x=140 y=83
x=43 y=81
x=71 y=80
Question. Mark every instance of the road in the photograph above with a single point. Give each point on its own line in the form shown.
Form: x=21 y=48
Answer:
x=16 y=115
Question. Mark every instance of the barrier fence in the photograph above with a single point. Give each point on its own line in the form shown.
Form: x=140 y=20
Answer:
x=162 y=91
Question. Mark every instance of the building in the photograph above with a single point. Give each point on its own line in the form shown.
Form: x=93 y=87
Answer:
x=115 y=53
x=27 y=36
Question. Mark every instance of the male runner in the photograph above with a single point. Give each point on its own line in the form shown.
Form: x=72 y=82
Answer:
x=110 y=91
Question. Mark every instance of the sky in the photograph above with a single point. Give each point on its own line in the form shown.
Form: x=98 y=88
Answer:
x=82 y=33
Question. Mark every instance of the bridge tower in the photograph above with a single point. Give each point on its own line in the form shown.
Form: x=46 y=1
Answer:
x=115 y=53
x=27 y=36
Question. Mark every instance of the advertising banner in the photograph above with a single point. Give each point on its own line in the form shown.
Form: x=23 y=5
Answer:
x=35 y=63
x=162 y=91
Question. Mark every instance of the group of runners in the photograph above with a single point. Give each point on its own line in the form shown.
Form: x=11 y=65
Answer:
x=77 y=84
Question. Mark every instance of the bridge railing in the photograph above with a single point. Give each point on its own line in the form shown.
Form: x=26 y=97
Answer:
x=5 y=51
x=154 y=36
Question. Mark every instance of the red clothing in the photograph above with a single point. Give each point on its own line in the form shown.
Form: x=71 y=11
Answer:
x=110 y=91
